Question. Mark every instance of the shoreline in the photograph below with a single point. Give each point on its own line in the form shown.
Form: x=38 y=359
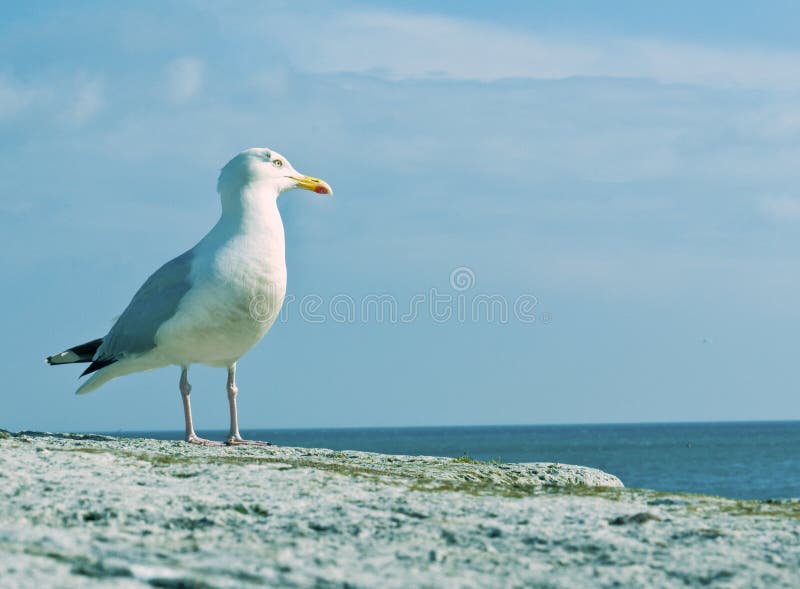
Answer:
x=741 y=461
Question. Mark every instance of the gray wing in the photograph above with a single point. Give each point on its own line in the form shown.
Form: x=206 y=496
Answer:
x=153 y=304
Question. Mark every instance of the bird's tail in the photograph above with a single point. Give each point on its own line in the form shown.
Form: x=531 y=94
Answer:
x=82 y=353
x=104 y=369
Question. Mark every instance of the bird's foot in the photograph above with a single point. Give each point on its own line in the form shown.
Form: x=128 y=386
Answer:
x=195 y=439
x=238 y=441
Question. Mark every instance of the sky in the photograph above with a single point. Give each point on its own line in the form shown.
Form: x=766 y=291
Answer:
x=592 y=208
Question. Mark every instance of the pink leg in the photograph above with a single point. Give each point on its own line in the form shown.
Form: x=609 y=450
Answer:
x=186 y=389
x=234 y=438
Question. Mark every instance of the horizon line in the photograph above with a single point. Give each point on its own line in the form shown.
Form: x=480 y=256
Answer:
x=475 y=426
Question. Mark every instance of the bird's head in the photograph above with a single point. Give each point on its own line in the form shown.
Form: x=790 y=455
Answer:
x=263 y=166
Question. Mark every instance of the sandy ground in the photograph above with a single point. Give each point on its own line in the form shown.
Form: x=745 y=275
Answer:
x=93 y=511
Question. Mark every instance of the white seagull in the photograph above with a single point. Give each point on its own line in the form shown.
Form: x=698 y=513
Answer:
x=213 y=303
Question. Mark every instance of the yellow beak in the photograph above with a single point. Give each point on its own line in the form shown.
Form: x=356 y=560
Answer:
x=313 y=184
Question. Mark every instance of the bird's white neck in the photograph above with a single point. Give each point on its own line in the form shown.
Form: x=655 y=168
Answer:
x=251 y=208
x=251 y=213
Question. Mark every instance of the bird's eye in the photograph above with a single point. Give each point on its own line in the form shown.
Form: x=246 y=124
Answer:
x=278 y=163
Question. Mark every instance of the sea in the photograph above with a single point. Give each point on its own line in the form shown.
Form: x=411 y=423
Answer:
x=744 y=460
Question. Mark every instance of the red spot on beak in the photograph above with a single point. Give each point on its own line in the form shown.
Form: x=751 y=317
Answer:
x=321 y=190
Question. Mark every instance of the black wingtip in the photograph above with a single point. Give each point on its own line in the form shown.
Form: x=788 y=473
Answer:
x=97 y=365
x=80 y=353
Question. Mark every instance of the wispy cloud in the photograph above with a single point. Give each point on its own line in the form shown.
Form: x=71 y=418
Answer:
x=66 y=99
x=782 y=208
x=88 y=101
x=184 y=78
x=404 y=45
x=14 y=97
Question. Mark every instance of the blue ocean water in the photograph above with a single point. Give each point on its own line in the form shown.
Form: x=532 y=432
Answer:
x=758 y=460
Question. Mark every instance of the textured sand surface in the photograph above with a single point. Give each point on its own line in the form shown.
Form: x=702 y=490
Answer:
x=93 y=511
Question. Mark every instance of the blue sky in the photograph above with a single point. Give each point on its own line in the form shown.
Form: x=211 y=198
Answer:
x=634 y=167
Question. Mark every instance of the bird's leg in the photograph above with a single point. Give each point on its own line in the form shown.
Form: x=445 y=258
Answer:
x=186 y=389
x=234 y=437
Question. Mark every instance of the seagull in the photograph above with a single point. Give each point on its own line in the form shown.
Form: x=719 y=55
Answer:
x=213 y=303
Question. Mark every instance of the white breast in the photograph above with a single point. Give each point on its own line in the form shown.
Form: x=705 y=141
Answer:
x=238 y=285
